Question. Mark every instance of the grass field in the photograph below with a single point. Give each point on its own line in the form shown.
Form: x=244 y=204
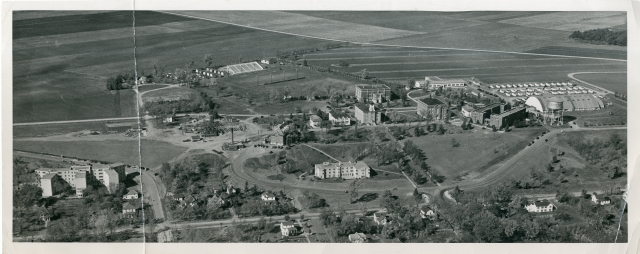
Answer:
x=477 y=149
x=55 y=129
x=153 y=153
x=149 y=87
x=174 y=92
x=571 y=21
x=402 y=64
x=616 y=82
x=64 y=76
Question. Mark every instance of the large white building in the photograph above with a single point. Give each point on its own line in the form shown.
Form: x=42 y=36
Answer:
x=540 y=206
x=345 y=170
x=76 y=176
x=433 y=84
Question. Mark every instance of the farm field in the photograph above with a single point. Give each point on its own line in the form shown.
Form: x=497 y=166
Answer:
x=149 y=87
x=64 y=77
x=506 y=31
x=153 y=153
x=478 y=149
x=616 y=82
x=23 y=131
x=404 y=64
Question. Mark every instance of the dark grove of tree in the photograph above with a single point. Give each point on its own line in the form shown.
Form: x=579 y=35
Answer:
x=602 y=36
x=609 y=155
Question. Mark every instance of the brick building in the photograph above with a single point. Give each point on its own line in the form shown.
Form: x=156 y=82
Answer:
x=479 y=115
x=373 y=93
x=434 y=107
x=507 y=118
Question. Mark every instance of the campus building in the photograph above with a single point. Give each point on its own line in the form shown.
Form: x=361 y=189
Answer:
x=479 y=115
x=570 y=102
x=368 y=114
x=508 y=117
x=433 y=107
x=435 y=84
x=76 y=176
x=373 y=93
x=345 y=170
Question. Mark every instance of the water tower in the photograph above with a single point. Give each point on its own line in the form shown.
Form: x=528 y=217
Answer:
x=554 y=112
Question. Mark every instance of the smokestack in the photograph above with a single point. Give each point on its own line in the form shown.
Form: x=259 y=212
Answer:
x=231 y=135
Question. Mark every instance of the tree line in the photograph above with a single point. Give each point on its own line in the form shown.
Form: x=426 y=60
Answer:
x=602 y=36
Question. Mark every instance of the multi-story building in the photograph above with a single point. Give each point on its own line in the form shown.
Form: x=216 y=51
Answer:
x=507 y=117
x=288 y=229
x=339 y=118
x=479 y=115
x=76 y=176
x=373 y=93
x=368 y=114
x=433 y=107
x=345 y=170
x=434 y=84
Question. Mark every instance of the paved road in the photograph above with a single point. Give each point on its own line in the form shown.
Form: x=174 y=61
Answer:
x=387 y=45
x=78 y=121
x=153 y=194
x=571 y=75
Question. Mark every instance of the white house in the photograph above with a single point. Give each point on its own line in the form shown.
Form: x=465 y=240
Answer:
x=339 y=118
x=287 y=228
x=540 y=206
x=267 y=197
x=427 y=213
x=128 y=210
x=314 y=121
x=132 y=194
x=600 y=199
x=380 y=218
x=358 y=238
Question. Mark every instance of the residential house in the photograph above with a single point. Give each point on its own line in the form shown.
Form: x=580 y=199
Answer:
x=381 y=218
x=268 y=197
x=427 y=213
x=128 y=210
x=178 y=197
x=358 y=238
x=132 y=194
x=314 y=121
x=600 y=199
x=287 y=228
x=339 y=118
x=540 y=206
x=215 y=201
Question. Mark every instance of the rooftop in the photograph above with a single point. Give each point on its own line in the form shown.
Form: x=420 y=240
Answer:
x=48 y=176
x=542 y=203
x=337 y=114
x=287 y=223
x=363 y=107
x=447 y=81
x=431 y=101
x=378 y=86
x=132 y=192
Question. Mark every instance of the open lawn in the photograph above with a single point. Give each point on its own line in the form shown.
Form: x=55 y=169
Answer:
x=616 y=82
x=152 y=153
x=480 y=149
x=55 y=129
x=403 y=64
x=174 y=92
x=601 y=117
x=149 y=87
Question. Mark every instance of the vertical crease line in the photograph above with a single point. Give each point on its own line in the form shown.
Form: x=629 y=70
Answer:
x=135 y=75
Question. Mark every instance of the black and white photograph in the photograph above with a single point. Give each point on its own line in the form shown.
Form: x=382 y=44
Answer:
x=318 y=126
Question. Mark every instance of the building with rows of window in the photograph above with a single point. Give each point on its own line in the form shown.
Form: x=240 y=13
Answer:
x=345 y=170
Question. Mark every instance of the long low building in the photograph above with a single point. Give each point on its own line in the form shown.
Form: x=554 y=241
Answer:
x=345 y=170
x=570 y=102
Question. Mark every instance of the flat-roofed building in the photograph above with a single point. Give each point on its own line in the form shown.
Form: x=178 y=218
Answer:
x=46 y=185
x=433 y=107
x=508 y=117
x=345 y=170
x=373 y=93
x=368 y=114
x=444 y=83
x=479 y=115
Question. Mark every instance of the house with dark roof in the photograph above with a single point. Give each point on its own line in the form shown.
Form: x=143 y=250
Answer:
x=540 y=206
x=132 y=194
x=129 y=211
x=600 y=199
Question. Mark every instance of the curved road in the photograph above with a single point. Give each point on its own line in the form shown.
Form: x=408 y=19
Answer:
x=571 y=75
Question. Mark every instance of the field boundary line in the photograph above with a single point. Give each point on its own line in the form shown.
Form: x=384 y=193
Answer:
x=387 y=45
x=571 y=75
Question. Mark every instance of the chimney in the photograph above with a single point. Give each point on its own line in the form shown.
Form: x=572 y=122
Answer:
x=231 y=135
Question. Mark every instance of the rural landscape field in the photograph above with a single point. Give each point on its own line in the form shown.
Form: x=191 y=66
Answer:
x=319 y=127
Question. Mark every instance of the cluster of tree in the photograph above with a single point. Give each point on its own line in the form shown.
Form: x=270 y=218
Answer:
x=602 y=36
x=312 y=200
x=497 y=215
x=622 y=96
x=189 y=174
x=399 y=132
x=343 y=224
x=121 y=81
x=609 y=155
x=388 y=153
x=417 y=155
x=198 y=212
x=257 y=207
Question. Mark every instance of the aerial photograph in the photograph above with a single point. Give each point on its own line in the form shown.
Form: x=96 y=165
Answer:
x=319 y=126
